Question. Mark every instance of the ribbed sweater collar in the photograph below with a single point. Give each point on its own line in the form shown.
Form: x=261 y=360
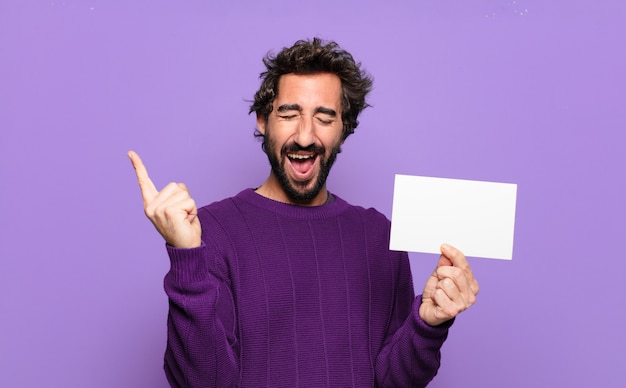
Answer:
x=327 y=210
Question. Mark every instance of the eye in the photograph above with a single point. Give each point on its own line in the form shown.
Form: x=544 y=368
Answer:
x=287 y=117
x=325 y=121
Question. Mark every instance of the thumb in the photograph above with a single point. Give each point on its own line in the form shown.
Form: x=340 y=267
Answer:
x=450 y=256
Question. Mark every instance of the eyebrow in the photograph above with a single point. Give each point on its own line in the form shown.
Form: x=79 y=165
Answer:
x=297 y=107
x=326 y=111
x=288 y=107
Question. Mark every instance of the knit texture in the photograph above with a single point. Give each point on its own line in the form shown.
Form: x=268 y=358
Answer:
x=280 y=295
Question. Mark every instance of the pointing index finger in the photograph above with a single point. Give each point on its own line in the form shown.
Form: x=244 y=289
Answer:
x=148 y=190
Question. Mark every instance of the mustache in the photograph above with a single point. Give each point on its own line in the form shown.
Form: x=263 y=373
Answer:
x=313 y=148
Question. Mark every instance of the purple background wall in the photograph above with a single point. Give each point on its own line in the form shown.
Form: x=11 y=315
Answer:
x=530 y=92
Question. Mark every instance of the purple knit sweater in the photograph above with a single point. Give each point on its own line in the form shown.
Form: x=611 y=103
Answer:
x=280 y=295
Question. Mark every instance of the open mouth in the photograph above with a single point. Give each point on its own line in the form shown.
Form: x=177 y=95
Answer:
x=302 y=163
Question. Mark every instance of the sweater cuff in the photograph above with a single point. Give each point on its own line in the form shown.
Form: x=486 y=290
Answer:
x=426 y=330
x=188 y=264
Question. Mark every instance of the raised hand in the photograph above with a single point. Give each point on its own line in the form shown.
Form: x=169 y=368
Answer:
x=172 y=210
x=450 y=290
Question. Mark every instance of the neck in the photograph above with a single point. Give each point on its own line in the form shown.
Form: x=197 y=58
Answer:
x=272 y=189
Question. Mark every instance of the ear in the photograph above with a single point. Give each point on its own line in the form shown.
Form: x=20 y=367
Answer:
x=261 y=123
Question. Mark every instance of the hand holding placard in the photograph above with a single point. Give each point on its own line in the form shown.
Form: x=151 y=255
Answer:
x=450 y=289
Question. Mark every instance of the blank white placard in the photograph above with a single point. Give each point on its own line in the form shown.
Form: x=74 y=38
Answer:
x=476 y=217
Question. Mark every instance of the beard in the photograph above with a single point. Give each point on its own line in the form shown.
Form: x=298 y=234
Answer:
x=300 y=191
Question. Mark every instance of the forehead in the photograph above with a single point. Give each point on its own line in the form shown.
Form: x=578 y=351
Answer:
x=310 y=90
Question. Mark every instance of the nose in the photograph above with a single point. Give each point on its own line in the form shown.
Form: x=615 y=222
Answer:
x=306 y=132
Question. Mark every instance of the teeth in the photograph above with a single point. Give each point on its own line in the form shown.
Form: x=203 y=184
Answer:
x=301 y=157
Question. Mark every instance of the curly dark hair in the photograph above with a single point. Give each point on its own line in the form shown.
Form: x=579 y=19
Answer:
x=310 y=57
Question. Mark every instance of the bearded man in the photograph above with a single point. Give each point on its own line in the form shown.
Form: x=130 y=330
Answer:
x=287 y=284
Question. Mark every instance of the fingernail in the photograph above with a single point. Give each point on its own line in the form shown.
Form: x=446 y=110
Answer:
x=445 y=247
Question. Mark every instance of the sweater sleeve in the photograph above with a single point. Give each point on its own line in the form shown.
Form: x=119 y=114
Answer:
x=411 y=354
x=201 y=339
